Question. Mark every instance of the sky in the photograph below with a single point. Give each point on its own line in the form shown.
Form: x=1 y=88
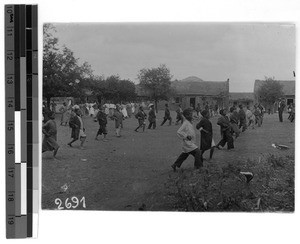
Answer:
x=241 y=52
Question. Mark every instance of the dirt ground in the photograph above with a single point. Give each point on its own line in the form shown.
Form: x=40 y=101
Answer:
x=131 y=172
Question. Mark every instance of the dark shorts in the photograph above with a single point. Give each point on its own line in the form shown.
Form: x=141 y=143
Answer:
x=102 y=130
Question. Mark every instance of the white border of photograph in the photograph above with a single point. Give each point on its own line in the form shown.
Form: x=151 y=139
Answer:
x=160 y=227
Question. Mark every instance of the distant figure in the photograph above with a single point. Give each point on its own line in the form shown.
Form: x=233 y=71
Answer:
x=258 y=116
x=262 y=111
x=224 y=123
x=118 y=117
x=216 y=108
x=242 y=118
x=102 y=120
x=46 y=111
x=152 y=118
x=206 y=106
x=65 y=114
x=206 y=141
x=53 y=107
x=250 y=118
x=124 y=111
x=141 y=117
x=106 y=109
x=167 y=115
x=198 y=109
x=292 y=112
x=129 y=110
x=234 y=121
x=50 y=135
x=92 y=109
x=132 y=108
x=187 y=133
x=78 y=130
x=179 y=116
x=281 y=107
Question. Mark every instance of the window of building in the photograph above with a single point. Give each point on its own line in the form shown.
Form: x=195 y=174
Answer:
x=290 y=101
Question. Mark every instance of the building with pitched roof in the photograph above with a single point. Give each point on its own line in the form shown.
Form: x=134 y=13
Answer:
x=192 y=91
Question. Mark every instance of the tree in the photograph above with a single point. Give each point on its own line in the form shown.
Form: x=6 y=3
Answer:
x=117 y=90
x=62 y=75
x=269 y=92
x=156 y=83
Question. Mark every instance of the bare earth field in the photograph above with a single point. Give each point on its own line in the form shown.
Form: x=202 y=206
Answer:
x=133 y=172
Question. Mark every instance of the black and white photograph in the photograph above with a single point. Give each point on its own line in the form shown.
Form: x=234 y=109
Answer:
x=188 y=117
x=150 y=121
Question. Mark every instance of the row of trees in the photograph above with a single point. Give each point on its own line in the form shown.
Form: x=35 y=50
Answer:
x=63 y=76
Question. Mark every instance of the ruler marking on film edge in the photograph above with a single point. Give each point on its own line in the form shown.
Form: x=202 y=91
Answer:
x=21 y=86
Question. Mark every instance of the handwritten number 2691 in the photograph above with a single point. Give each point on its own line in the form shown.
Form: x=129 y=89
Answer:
x=69 y=203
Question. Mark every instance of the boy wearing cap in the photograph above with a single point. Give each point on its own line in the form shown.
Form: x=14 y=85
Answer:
x=50 y=132
x=141 y=116
x=187 y=133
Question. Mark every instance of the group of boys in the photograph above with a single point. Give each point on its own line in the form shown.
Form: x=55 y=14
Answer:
x=231 y=124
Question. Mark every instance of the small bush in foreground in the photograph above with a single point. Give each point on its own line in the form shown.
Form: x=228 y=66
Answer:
x=224 y=189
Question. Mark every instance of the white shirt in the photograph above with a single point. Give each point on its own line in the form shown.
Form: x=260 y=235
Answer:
x=187 y=129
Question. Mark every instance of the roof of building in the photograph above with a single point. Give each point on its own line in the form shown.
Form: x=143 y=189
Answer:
x=288 y=86
x=240 y=96
x=195 y=86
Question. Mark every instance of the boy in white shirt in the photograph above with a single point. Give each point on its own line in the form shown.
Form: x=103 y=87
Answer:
x=187 y=133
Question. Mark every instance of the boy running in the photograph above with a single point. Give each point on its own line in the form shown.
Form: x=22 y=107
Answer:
x=187 y=133
x=78 y=130
x=152 y=118
x=224 y=123
x=102 y=120
x=205 y=128
x=141 y=116
x=167 y=116
x=179 y=115
x=50 y=132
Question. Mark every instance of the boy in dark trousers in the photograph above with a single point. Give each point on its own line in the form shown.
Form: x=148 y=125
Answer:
x=167 y=116
x=206 y=141
x=102 y=120
x=234 y=120
x=187 y=133
x=179 y=115
x=152 y=118
x=78 y=130
x=224 y=123
x=141 y=116
x=50 y=132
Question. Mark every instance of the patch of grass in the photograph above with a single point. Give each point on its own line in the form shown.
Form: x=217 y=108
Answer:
x=272 y=188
